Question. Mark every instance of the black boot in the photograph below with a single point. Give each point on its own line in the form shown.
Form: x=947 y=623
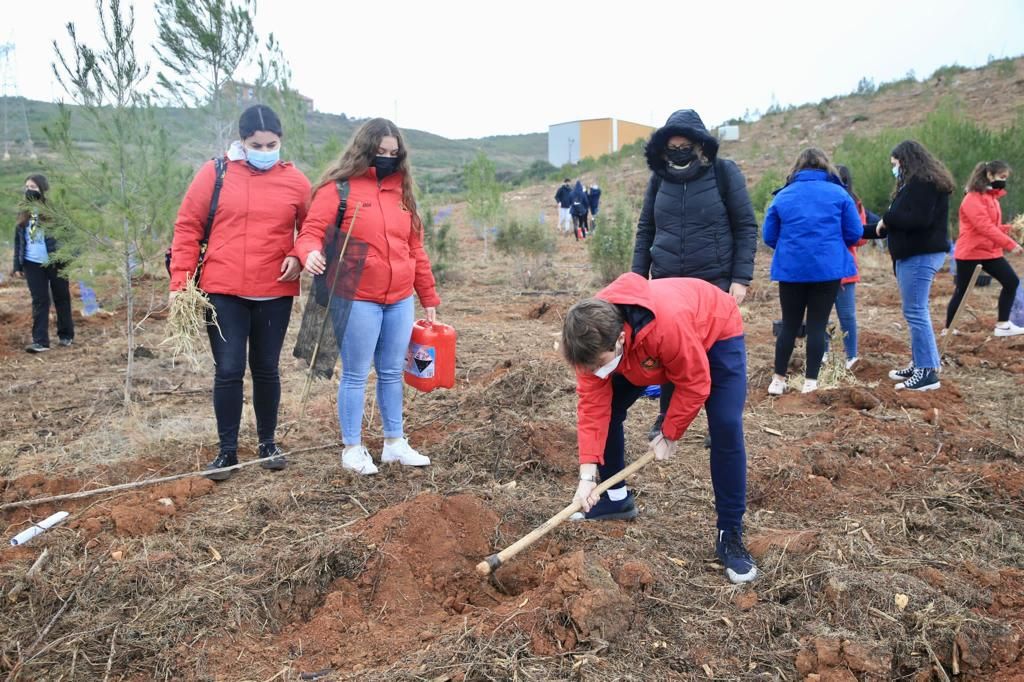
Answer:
x=224 y=459
x=271 y=457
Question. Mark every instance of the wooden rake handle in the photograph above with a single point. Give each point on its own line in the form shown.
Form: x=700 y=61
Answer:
x=960 y=308
x=491 y=563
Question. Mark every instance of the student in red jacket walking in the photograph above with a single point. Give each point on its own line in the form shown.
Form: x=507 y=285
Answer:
x=250 y=274
x=983 y=239
x=638 y=332
x=379 y=325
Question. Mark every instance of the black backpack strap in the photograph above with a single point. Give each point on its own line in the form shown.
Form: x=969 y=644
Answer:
x=220 y=166
x=343 y=188
x=722 y=180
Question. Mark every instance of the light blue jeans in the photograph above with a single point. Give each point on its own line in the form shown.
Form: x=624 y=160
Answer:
x=914 y=276
x=380 y=333
x=846 y=309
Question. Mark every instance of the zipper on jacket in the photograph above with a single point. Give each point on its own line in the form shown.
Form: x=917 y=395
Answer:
x=387 y=242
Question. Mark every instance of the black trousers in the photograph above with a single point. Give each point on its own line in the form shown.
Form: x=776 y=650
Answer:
x=797 y=298
x=260 y=325
x=580 y=223
x=1000 y=269
x=42 y=281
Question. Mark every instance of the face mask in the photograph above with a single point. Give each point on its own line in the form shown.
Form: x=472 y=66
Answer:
x=998 y=184
x=680 y=157
x=36 y=195
x=385 y=165
x=896 y=171
x=605 y=370
x=261 y=160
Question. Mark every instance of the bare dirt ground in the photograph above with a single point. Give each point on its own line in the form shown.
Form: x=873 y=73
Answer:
x=889 y=527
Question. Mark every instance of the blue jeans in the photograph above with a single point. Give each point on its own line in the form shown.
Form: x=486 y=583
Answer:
x=379 y=333
x=724 y=407
x=914 y=276
x=846 y=309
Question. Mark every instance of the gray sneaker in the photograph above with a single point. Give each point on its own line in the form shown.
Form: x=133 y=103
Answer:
x=36 y=348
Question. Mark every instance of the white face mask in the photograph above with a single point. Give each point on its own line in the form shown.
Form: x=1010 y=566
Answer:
x=605 y=370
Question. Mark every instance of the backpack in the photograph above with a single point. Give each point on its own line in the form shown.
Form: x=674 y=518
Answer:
x=220 y=165
x=332 y=245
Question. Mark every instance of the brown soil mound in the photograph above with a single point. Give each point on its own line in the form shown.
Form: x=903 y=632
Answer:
x=420 y=585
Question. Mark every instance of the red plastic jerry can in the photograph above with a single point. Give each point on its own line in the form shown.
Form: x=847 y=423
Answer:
x=430 y=360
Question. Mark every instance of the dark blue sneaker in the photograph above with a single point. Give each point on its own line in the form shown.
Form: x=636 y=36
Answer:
x=607 y=510
x=739 y=565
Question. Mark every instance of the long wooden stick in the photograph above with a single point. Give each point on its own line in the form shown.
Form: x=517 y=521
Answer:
x=323 y=323
x=151 y=481
x=491 y=563
x=960 y=308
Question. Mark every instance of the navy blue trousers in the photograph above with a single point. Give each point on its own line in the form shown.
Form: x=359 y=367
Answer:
x=724 y=407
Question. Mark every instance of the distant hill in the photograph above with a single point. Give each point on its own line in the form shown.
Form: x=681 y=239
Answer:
x=437 y=159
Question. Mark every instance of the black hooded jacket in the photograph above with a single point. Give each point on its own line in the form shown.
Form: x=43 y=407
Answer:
x=704 y=228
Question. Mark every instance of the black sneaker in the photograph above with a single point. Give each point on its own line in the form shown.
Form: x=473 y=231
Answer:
x=607 y=510
x=656 y=427
x=36 y=348
x=739 y=565
x=923 y=379
x=224 y=459
x=901 y=374
x=65 y=342
x=271 y=457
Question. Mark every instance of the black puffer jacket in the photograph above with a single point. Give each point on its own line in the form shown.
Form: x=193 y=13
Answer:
x=917 y=221
x=21 y=244
x=685 y=229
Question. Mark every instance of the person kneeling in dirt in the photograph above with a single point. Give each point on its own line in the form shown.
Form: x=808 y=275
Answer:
x=638 y=332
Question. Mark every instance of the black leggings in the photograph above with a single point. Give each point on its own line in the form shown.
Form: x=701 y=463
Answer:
x=1000 y=270
x=796 y=298
x=261 y=325
x=580 y=222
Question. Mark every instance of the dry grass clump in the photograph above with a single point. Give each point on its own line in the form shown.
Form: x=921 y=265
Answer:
x=1017 y=228
x=191 y=312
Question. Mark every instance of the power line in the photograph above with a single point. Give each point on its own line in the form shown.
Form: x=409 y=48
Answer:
x=9 y=92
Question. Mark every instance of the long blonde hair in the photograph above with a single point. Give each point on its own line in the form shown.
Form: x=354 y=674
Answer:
x=358 y=157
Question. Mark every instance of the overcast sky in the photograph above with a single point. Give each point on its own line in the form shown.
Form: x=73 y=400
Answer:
x=468 y=69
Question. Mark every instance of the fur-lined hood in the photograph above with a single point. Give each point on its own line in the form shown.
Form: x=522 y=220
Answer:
x=685 y=122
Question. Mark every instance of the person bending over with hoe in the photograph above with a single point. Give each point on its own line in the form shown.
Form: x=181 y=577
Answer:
x=638 y=332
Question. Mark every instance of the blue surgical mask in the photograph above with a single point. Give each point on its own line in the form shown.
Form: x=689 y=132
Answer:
x=896 y=171
x=261 y=160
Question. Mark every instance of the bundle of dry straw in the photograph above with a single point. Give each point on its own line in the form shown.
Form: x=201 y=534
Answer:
x=190 y=314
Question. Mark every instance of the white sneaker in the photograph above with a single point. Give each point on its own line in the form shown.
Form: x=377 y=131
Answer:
x=824 y=358
x=809 y=385
x=1008 y=329
x=777 y=387
x=851 y=362
x=401 y=452
x=357 y=458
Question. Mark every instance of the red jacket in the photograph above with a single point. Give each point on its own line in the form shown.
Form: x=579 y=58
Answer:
x=853 y=249
x=396 y=263
x=253 y=229
x=690 y=316
x=982 y=233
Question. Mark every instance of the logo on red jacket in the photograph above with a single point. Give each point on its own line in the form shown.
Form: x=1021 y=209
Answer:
x=651 y=363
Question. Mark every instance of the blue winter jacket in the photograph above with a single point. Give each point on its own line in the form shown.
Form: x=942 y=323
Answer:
x=811 y=223
x=580 y=204
x=594 y=197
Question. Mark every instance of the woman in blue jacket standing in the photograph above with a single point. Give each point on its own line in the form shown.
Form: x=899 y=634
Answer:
x=811 y=224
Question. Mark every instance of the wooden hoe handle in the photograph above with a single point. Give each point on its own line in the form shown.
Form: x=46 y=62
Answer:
x=491 y=563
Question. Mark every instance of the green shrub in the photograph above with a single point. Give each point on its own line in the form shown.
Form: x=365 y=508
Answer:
x=439 y=241
x=947 y=71
x=531 y=244
x=610 y=244
x=761 y=194
x=959 y=142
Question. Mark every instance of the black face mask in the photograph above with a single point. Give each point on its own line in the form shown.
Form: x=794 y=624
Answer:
x=998 y=184
x=385 y=165
x=681 y=157
x=33 y=195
